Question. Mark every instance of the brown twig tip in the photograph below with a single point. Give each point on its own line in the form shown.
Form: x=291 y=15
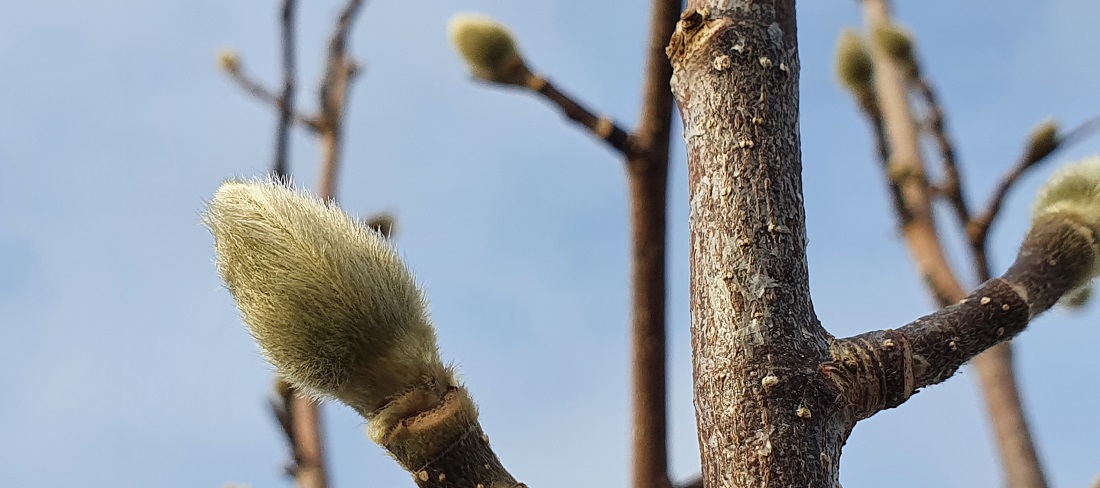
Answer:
x=489 y=49
x=898 y=45
x=229 y=60
x=854 y=68
x=1041 y=141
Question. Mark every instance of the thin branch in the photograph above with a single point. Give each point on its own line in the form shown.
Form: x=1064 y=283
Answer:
x=995 y=368
x=951 y=188
x=310 y=469
x=265 y=95
x=978 y=227
x=333 y=98
x=882 y=369
x=1020 y=461
x=647 y=173
x=602 y=127
x=286 y=101
x=882 y=149
x=907 y=167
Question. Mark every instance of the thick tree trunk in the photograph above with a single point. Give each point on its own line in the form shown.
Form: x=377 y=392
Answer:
x=766 y=415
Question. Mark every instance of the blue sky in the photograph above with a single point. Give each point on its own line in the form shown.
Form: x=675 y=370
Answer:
x=126 y=362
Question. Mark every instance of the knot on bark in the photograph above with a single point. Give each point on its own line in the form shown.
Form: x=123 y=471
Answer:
x=872 y=371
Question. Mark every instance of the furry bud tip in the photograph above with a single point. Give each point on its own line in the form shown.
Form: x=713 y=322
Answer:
x=854 y=68
x=330 y=303
x=897 y=45
x=488 y=48
x=1073 y=192
x=229 y=60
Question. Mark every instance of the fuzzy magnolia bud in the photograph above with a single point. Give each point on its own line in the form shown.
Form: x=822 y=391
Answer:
x=488 y=48
x=1042 y=140
x=854 y=68
x=1073 y=192
x=229 y=60
x=330 y=303
x=898 y=46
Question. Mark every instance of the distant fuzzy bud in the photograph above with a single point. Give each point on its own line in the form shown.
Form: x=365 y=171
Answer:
x=1042 y=140
x=330 y=303
x=898 y=45
x=229 y=60
x=854 y=67
x=488 y=48
x=1073 y=192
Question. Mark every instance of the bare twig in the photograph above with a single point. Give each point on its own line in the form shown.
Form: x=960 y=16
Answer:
x=979 y=225
x=602 y=127
x=286 y=101
x=265 y=95
x=1021 y=463
x=648 y=178
x=333 y=98
x=951 y=187
x=881 y=369
x=906 y=167
x=882 y=149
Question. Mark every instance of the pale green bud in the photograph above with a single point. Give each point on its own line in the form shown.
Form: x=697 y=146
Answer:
x=1073 y=192
x=898 y=45
x=854 y=67
x=488 y=48
x=229 y=60
x=330 y=303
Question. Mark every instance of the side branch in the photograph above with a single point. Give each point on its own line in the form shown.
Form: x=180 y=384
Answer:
x=951 y=187
x=265 y=95
x=978 y=227
x=602 y=127
x=881 y=369
x=286 y=101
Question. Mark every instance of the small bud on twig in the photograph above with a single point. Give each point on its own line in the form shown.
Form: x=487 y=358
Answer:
x=854 y=67
x=1073 y=192
x=898 y=45
x=1042 y=140
x=229 y=60
x=488 y=48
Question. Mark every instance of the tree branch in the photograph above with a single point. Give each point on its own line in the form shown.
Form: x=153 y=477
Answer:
x=602 y=127
x=333 y=98
x=1018 y=456
x=647 y=173
x=286 y=101
x=762 y=420
x=881 y=369
x=952 y=181
x=907 y=167
x=978 y=227
x=264 y=95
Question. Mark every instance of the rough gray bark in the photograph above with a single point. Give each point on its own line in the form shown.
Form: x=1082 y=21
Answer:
x=765 y=417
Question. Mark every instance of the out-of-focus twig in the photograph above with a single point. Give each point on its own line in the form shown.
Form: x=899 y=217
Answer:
x=978 y=227
x=951 y=187
x=265 y=95
x=339 y=70
x=286 y=101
